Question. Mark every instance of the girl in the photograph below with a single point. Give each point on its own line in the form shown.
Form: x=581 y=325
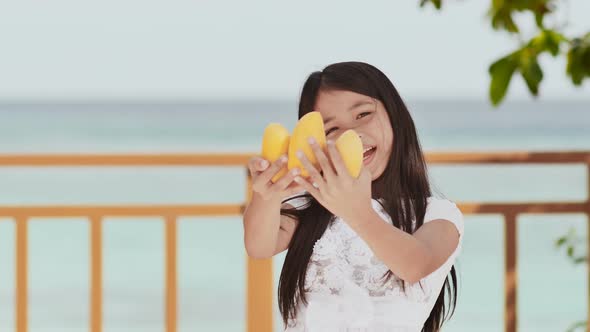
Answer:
x=373 y=253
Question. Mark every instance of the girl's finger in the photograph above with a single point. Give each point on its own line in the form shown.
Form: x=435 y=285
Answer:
x=252 y=162
x=286 y=180
x=313 y=172
x=337 y=160
x=265 y=176
x=323 y=160
x=262 y=164
x=309 y=188
x=257 y=163
x=293 y=189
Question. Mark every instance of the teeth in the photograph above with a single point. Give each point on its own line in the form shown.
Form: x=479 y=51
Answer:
x=368 y=148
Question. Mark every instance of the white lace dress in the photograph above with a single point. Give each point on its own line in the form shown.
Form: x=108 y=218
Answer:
x=344 y=288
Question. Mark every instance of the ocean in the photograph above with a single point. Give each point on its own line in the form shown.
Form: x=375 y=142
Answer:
x=552 y=291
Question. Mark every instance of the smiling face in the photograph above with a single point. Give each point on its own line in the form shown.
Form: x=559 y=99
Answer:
x=343 y=110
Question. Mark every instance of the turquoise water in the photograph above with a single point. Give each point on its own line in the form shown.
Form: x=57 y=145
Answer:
x=552 y=291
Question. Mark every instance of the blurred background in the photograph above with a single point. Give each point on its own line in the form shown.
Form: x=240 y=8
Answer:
x=134 y=77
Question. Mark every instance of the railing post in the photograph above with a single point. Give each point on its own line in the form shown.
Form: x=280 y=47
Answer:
x=171 y=271
x=21 y=273
x=510 y=273
x=588 y=240
x=95 y=273
x=259 y=289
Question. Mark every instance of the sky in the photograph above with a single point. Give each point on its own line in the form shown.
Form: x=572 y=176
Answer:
x=118 y=50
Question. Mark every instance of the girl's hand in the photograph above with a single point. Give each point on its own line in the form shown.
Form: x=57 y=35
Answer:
x=336 y=190
x=262 y=172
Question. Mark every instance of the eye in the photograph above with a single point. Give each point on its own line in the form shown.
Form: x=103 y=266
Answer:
x=367 y=113
x=329 y=131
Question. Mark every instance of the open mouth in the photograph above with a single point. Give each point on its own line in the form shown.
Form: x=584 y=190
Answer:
x=368 y=154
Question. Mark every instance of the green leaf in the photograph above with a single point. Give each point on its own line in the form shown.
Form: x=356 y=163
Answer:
x=560 y=241
x=571 y=232
x=531 y=71
x=503 y=20
x=539 y=20
x=574 y=67
x=570 y=251
x=539 y=8
x=578 y=59
x=576 y=325
x=501 y=73
x=547 y=40
x=437 y=3
x=553 y=40
x=580 y=260
x=501 y=12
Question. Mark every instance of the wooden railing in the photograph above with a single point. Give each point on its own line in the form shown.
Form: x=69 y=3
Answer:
x=259 y=272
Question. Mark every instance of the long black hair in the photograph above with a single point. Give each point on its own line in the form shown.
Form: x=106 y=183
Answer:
x=403 y=186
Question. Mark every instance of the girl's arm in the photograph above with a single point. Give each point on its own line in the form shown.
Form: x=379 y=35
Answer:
x=410 y=257
x=266 y=231
x=262 y=218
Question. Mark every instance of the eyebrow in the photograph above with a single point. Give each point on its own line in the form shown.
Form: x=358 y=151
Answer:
x=355 y=105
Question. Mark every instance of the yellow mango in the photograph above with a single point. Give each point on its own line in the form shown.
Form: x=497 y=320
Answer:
x=310 y=125
x=350 y=147
x=275 y=143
